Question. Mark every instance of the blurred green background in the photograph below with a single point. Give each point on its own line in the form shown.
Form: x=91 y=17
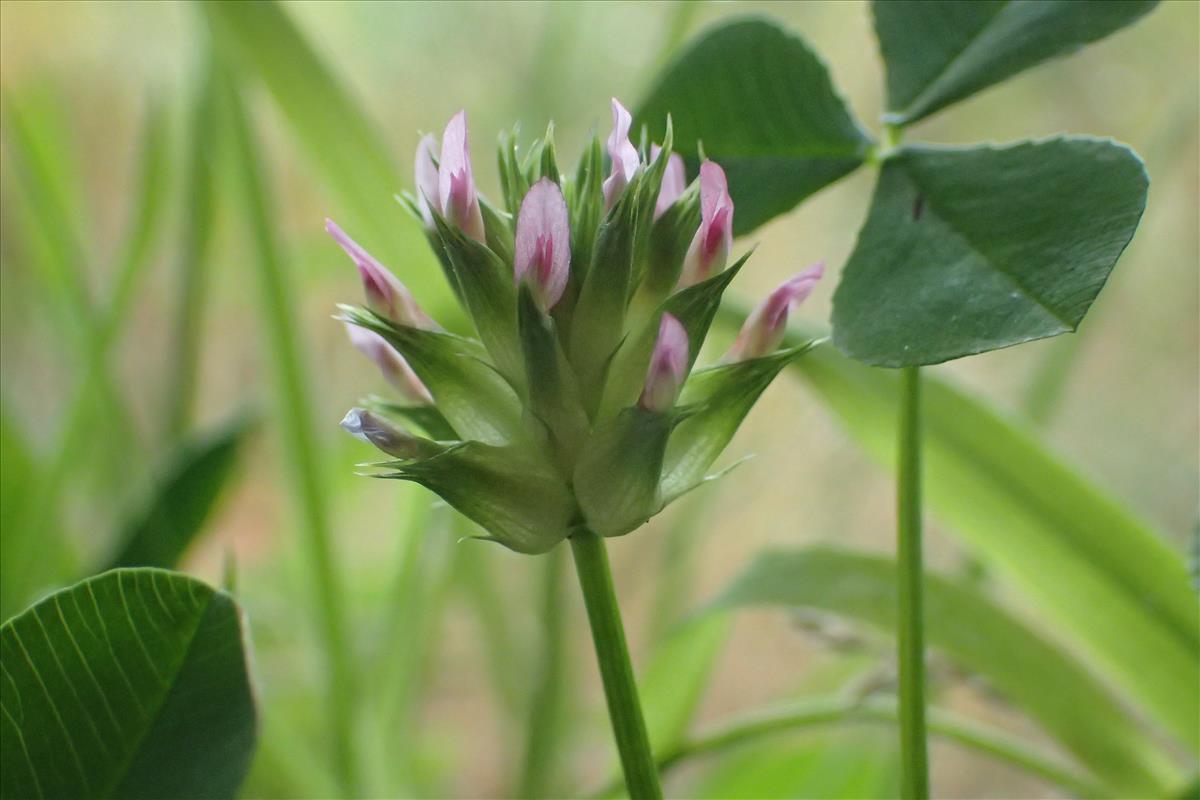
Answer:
x=80 y=80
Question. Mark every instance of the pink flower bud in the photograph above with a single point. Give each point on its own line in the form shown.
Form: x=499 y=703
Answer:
x=668 y=366
x=625 y=159
x=390 y=438
x=393 y=366
x=714 y=239
x=674 y=181
x=542 y=256
x=425 y=173
x=456 y=186
x=764 y=328
x=386 y=295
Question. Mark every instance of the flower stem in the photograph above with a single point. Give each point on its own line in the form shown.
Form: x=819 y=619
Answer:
x=612 y=655
x=911 y=632
x=543 y=731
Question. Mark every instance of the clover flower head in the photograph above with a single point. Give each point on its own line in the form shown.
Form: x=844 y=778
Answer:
x=575 y=401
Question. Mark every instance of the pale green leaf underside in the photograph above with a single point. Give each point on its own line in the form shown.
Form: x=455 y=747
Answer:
x=938 y=52
x=967 y=250
x=130 y=684
x=1032 y=672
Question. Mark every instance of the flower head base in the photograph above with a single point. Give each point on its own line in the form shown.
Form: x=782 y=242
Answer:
x=386 y=295
x=763 y=330
x=668 y=366
x=543 y=243
x=393 y=366
x=576 y=400
x=625 y=159
x=710 y=248
x=456 y=183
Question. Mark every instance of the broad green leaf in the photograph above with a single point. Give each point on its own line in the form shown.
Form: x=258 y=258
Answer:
x=940 y=52
x=1100 y=575
x=342 y=142
x=1033 y=673
x=764 y=107
x=173 y=515
x=131 y=684
x=967 y=250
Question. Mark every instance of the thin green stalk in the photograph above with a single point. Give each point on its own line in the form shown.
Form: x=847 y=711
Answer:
x=616 y=670
x=476 y=577
x=848 y=710
x=542 y=734
x=193 y=266
x=910 y=599
x=302 y=456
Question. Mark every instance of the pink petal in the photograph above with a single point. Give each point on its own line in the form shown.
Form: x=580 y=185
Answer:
x=674 y=181
x=625 y=158
x=386 y=295
x=426 y=176
x=456 y=185
x=668 y=366
x=765 y=327
x=393 y=365
x=710 y=248
x=542 y=254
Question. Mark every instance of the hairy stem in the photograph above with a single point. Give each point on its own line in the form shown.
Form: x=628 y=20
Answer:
x=612 y=655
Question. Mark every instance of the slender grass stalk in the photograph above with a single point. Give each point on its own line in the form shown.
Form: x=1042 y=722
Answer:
x=296 y=423
x=542 y=733
x=616 y=670
x=910 y=599
x=842 y=710
x=193 y=264
x=477 y=579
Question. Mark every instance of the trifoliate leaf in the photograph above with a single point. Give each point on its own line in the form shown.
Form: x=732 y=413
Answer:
x=938 y=53
x=967 y=250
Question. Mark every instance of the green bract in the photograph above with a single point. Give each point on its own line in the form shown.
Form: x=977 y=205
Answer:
x=553 y=415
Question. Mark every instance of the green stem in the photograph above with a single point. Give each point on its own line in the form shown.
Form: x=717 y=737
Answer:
x=616 y=670
x=911 y=632
x=843 y=710
x=300 y=440
x=543 y=732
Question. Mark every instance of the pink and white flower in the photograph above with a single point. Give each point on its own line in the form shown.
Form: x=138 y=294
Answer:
x=764 y=328
x=542 y=255
x=709 y=250
x=668 y=366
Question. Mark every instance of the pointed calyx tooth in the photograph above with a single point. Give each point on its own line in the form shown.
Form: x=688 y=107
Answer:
x=710 y=248
x=668 y=366
x=766 y=325
x=542 y=255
